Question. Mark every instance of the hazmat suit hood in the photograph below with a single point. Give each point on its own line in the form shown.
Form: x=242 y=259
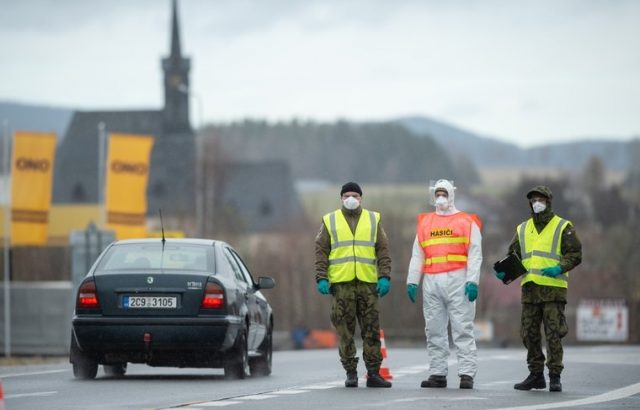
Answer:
x=443 y=184
x=545 y=216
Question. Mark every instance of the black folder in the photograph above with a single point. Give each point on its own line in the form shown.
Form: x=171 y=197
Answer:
x=511 y=266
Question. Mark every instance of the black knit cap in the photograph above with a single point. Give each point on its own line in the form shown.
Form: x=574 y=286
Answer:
x=540 y=190
x=350 y=187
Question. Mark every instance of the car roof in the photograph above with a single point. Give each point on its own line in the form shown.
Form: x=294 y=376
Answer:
x=185 y=241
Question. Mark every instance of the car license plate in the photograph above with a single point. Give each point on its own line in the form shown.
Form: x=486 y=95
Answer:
x=150 y=302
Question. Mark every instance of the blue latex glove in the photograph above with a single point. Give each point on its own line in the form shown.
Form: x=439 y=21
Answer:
x=383 y=286
x=500 y=275
x=552 y=271
x=471 y=290
x=323 y=286
x=412 y=289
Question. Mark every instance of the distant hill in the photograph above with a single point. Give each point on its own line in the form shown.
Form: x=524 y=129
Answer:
x=35 y=117
x=468 y=150
x=382 y=152
x=487 y=152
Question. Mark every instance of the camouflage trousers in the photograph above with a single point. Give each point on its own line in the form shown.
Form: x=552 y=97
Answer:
x=353 y=301
x=551 y=314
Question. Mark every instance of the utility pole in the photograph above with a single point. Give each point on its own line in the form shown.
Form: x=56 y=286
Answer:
x=7 y=240
x=200 y=170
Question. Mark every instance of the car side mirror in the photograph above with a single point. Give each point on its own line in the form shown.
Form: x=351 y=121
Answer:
x=265 y=282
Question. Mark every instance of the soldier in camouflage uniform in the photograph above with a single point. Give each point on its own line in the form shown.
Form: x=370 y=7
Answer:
x=544 y=288
x=353 y=265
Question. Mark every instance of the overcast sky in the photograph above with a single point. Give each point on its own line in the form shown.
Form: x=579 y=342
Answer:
x=524 y=72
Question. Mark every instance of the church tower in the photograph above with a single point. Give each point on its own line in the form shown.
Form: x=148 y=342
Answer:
x=176 y=82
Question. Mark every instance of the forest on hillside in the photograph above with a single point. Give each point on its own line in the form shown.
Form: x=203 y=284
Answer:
x=340 y=151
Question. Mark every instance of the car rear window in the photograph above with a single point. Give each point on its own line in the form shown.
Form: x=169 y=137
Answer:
x=151 y=256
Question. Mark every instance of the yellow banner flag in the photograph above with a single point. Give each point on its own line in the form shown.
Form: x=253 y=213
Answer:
x=31 y=176
x=126 y=184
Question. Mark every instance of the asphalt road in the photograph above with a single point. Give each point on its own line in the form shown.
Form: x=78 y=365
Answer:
x=603 y=377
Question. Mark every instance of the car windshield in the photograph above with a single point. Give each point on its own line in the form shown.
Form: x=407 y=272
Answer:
x=150 y=256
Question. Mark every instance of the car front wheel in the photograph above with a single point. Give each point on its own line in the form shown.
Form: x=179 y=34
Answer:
x=261 y=366
x=237 y=365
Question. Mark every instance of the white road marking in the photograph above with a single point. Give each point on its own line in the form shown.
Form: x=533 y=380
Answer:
x=499 y=382
x=411 y=371
x=224 y=403
x=318 y=387
x=444 y=398
x=289 y=392
x=5 y=376
x=419 y=367
x=42 y=393
x=256 y=397
x=600 y=398
x=501 y=357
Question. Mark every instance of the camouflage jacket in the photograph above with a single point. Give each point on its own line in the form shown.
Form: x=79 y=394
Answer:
x=323 y=246
x=571 y=250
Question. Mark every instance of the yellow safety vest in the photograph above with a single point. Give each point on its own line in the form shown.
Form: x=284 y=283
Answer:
x=542 y=250
x=352 y=255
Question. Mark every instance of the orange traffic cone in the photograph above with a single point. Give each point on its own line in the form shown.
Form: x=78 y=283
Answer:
x=384 y=370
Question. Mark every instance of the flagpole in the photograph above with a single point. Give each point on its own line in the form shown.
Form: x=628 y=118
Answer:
x=7 y=241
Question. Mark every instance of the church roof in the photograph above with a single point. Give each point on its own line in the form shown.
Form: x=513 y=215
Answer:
x=136 y=122
x=78 y=154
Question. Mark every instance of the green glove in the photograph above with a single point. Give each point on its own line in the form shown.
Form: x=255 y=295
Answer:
x=412 y=289
x=552 y=271
x=471 y=290
x=383 y=286
x=500 y=275
x=323 y=286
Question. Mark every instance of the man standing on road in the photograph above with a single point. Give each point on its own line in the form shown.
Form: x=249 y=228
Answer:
x=353 y=264
x=549 y=249
x=447 y=252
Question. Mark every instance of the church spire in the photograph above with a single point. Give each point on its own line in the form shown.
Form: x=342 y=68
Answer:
x=175 y=33
x=176 y=81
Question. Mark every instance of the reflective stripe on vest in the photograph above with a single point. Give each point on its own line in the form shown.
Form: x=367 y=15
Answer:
x=444 y=240
x=542 y=250
x=352 y=255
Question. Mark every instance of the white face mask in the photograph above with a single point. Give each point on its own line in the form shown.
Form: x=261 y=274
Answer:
x=442 y=203
x=351 y=203
x=538 y=207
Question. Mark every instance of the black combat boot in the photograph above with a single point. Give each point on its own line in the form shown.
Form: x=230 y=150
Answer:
x=554 y=382
x=466 y=382
x=434 y=381
x=375 y=380
x=352 y=379
x=533 y=381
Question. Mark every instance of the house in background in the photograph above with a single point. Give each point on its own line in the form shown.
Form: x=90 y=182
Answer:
x=258 y=197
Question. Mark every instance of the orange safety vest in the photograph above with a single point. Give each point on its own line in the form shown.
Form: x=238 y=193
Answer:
x=445 y=240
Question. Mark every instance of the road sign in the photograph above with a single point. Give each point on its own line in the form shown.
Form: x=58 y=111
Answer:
x=604 y=320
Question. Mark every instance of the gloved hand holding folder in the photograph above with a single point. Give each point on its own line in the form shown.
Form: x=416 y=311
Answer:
x=511 y=267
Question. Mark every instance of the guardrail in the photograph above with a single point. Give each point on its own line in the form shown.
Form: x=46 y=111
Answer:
x=40 y=317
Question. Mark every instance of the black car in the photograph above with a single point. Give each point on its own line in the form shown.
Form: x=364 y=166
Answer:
x=179 y=303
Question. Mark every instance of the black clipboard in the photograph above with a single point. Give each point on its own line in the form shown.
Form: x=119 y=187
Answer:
x=511 y=265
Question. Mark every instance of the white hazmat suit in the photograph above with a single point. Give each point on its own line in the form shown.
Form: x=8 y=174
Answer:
x=444 y=299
